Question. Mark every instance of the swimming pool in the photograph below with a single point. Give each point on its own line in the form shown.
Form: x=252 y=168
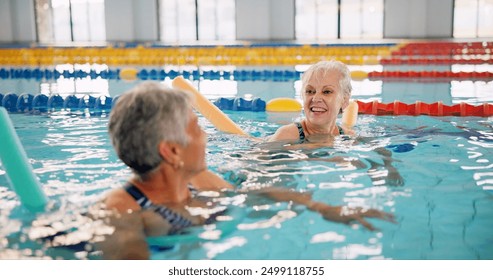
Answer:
x=443 y=209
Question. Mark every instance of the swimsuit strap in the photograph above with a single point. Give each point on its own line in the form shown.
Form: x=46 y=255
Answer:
x=301 y=133
x=193 y=190
x=176 y=220
x=138 y=195
x=341 y=131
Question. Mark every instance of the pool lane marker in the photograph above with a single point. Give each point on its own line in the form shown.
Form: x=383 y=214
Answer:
x=18 y=169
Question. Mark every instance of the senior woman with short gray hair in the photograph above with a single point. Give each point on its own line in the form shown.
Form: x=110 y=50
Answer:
x=144 y=118
x=325 y=91
x=152 y=128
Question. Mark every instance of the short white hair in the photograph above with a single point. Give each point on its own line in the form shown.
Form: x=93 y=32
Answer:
x=324 y=67
x=143 y=117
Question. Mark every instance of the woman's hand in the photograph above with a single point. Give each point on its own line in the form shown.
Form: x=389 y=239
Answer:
x=394 y=178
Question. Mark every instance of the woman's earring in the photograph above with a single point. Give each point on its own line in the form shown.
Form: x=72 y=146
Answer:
x=178 y=165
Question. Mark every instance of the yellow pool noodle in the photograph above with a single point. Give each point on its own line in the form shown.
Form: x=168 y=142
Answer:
x=350 y=114
x=210 y=111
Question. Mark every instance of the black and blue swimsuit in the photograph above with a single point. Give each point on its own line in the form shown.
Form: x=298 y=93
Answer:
x=301 y=133
x=177 y=221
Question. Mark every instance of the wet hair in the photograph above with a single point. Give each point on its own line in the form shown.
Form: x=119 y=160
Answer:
x=324 y=67
x=143 y=117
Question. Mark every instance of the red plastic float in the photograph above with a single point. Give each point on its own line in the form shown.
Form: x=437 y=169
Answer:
x=431 y=75
x=420 y=108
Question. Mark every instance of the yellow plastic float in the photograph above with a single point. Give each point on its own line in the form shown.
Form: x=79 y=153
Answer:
x=283 y=104
x=358 y=75
x=128 y=74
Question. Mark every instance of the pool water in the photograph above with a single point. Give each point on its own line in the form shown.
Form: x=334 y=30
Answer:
x=443 y=207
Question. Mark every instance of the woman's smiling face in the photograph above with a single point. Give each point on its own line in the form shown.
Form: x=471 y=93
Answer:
x=323 y=98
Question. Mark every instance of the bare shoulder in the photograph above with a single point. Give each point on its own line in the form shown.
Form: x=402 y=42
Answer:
x=120 y=201
x=286 y=132
x=209 y=181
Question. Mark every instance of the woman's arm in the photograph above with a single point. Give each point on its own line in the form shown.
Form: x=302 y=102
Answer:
x=340 y=214
x=394 y=178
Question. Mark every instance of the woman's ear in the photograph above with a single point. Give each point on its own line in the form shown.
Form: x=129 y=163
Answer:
x=170 y=152
x=345 y=102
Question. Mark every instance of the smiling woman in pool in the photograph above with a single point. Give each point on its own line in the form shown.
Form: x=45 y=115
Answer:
x=326 y=89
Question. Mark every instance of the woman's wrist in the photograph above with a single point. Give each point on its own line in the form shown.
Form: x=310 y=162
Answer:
x=316 y=206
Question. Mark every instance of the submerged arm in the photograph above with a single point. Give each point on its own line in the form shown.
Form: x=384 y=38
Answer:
x=394 y=178
x=340 y=214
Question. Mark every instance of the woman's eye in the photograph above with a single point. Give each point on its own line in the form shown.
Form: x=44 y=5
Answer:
x=327 y=92
x=309 y=91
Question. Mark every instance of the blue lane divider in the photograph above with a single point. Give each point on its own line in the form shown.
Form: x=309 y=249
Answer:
x=9 y=102
x=123 y=45
x=240 y=104
x=151 y=74
x=27 y=102
x=40 y=103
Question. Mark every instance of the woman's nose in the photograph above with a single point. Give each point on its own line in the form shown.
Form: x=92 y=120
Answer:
x=317 y=97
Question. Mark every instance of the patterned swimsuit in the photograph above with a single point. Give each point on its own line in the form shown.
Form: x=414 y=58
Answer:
x=302 y=133
x=177 y=221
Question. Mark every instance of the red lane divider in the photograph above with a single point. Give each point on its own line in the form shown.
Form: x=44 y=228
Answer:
x=431 y=74
x=445 y=48
x=419 y=108
x=435 y=61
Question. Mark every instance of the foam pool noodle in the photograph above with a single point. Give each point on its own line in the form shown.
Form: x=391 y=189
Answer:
x=210 y=111
x=18 y=169
x=350 y=114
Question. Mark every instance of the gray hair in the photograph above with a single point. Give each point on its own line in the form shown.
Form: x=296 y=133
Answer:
x=324 y=67
x=143 y=117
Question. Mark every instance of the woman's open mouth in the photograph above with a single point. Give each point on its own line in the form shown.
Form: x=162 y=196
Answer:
x=318 y=109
